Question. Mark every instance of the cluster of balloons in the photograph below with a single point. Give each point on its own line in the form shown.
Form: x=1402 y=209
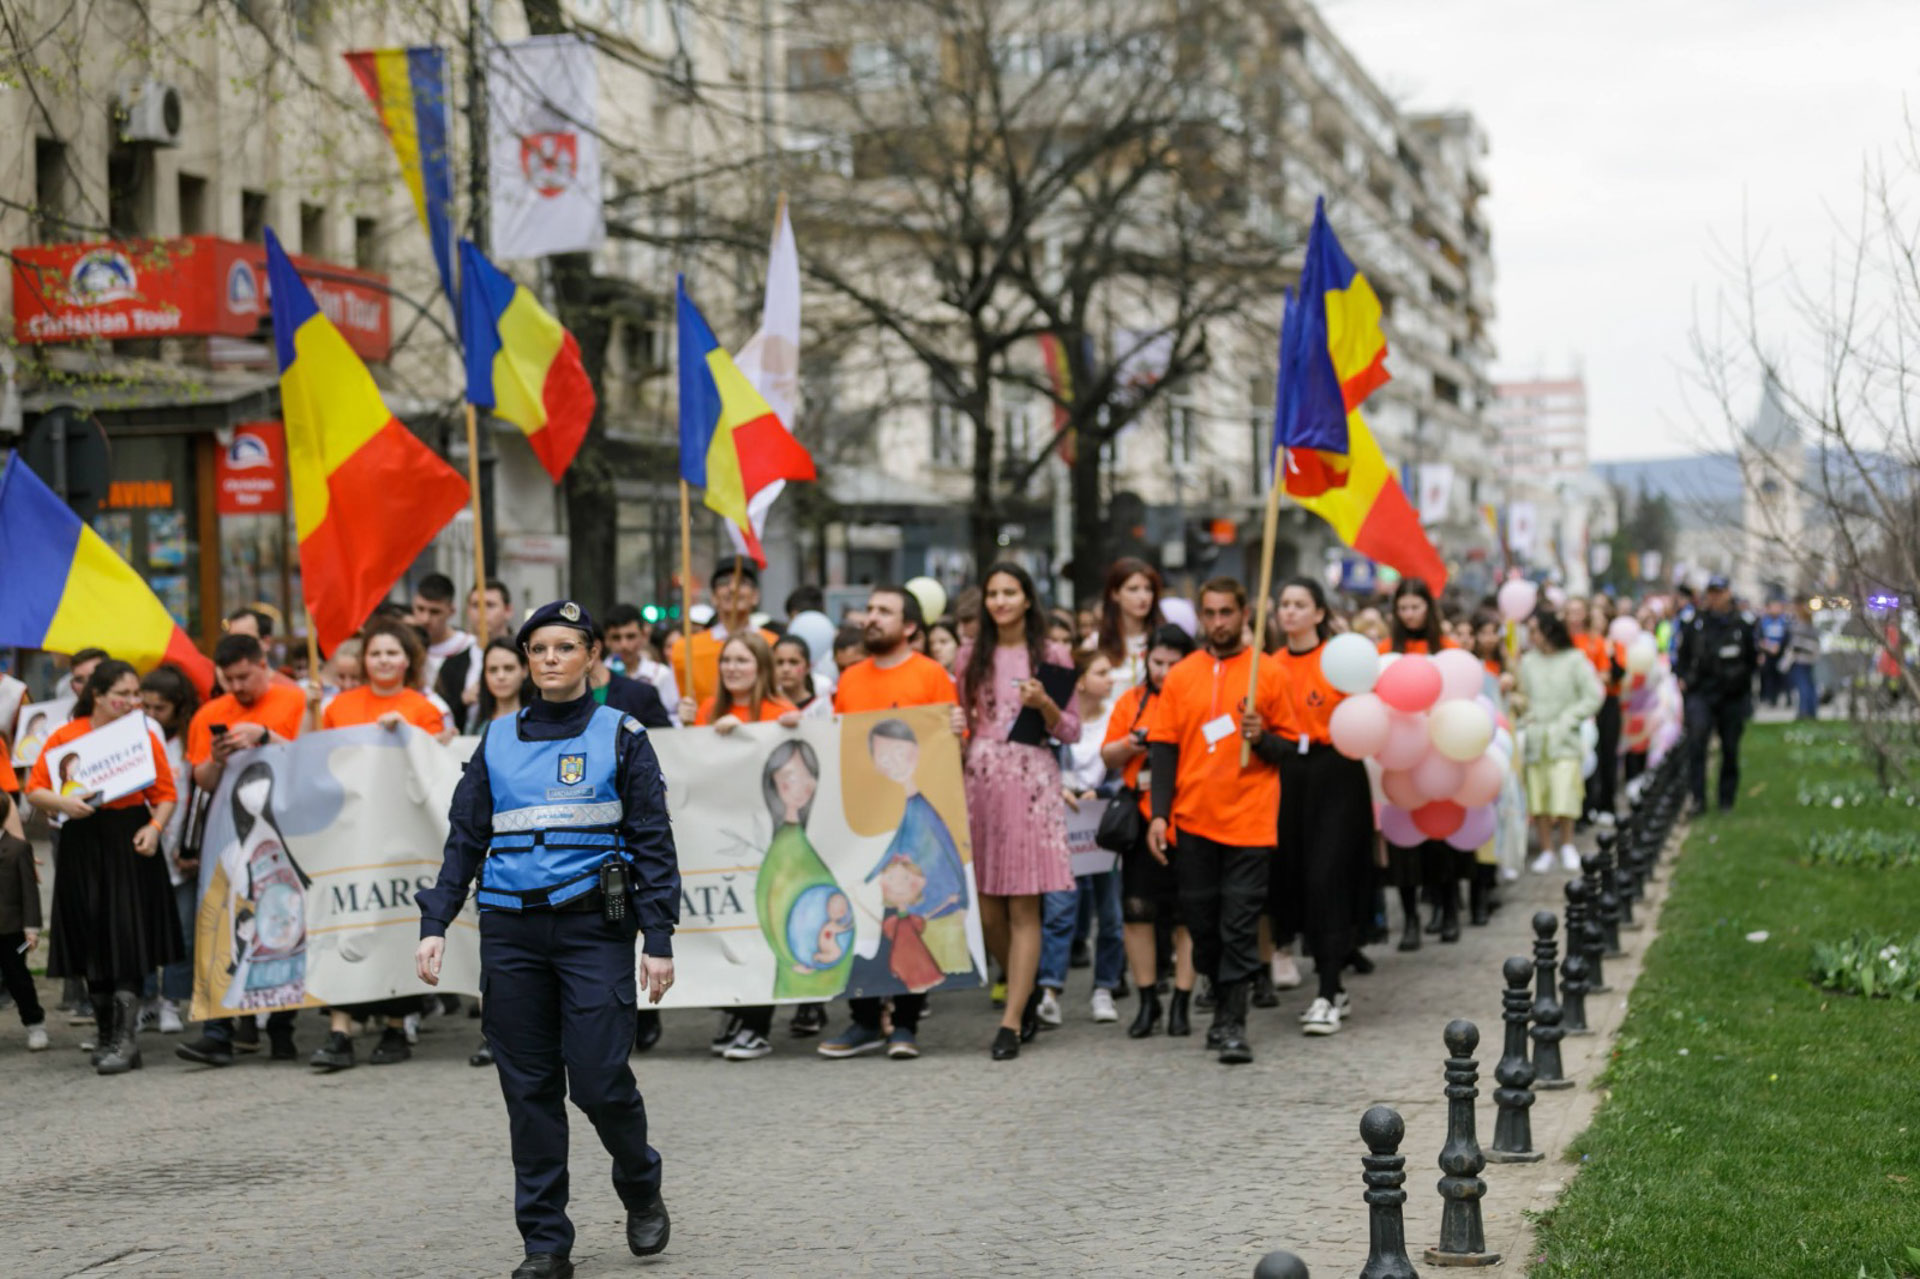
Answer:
x=1651 y=713
x=1442 y=746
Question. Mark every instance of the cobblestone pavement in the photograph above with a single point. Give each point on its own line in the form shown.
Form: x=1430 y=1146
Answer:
x=1090 y=1155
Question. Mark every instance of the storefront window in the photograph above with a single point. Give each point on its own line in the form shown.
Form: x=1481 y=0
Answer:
x=151 y=520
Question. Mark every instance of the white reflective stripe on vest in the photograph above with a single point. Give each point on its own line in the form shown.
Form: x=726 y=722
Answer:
x=551 y=816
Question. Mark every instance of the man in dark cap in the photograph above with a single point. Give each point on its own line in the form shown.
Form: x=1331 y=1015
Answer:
x=1715 y=665
x=562 y=812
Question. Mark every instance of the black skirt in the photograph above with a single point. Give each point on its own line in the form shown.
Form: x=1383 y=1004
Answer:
x=1321 y=868
x=114 y=917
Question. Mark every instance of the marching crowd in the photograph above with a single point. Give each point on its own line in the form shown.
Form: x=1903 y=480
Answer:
x=1247 y=842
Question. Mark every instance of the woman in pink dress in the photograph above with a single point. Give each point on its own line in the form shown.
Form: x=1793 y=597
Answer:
x=1013 y=790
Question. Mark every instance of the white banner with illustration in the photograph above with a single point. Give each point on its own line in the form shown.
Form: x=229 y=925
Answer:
x=832 y=859
x=312 y=854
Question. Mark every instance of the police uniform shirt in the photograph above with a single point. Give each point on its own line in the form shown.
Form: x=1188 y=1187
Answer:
x=1718 y=654
x=647 y=834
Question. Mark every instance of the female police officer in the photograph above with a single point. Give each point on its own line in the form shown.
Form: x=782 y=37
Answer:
x=563 y=813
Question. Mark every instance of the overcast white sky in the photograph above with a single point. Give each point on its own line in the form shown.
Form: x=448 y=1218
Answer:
x=1628 y=140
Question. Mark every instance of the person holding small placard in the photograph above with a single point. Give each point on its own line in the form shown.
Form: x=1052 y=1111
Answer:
x=112 y=923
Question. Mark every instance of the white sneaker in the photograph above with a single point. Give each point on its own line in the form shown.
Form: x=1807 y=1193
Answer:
x=747 y=1046
x=1049 y=1010
x=170 y=1023
x=37 y=1038
x=1508 y=874
x=1286 y=973
x=1322 y=1018
x=410 y=1027
x=724 y=1037
x=149 y=1015
x=1569 y=857
x=1103 y=1009
x=1342 y=1004
x=1543 y=864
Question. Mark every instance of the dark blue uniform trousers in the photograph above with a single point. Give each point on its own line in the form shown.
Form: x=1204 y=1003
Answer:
x=559 y=1002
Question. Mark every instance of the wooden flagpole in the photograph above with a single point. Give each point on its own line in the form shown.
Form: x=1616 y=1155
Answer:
x=1269 y=529
x=479 y=540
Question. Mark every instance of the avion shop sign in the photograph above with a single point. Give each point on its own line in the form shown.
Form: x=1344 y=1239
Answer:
x=191 y=286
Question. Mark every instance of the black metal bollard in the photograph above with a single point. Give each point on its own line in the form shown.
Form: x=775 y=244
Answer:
x=1512 y=1127
x=1606 y=912
x=1590 y=942
x=1382 y=1128
x=1547 y=1031
x=1613 y=850
x=1463 y=1239
x=1280 y=1265
x=1573 y=996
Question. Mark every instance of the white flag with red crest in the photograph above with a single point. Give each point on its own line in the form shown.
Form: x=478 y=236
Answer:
x=543 y=169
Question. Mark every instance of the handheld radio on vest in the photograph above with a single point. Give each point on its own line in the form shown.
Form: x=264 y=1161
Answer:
x=613 y=892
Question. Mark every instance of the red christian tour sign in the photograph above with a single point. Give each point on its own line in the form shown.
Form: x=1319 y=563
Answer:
x=250 y=477
x=189 y=286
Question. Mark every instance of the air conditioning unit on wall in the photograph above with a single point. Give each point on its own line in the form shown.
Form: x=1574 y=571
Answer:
x=150 y=112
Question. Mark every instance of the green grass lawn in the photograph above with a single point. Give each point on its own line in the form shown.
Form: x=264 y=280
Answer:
x=1757 y=1125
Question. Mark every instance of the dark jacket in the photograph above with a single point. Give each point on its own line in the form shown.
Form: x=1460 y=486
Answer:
x=1718 y=655
x=643 y=791
x=19 y=886
x=639 y=699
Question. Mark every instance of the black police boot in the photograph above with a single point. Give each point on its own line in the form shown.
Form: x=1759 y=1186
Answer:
x=1147 y=1018
x=646 y=1030
x=1222 y=1015
x=1264 y=995
x=545 y=1265
x=648 y=1227
x=1179 y=1024
x=1234 y=1048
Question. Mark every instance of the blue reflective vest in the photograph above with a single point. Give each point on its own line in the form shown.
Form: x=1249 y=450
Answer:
x=556 y=814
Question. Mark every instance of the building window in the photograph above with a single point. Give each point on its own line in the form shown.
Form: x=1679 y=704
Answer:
x=305 y=18
x=1016 y=434
x=366 y=244
x=313 y=230
x=949 y=435
x=50 y=191
x=193 y=204
x=128 y=205
x=1181 y=429
x=253 y=216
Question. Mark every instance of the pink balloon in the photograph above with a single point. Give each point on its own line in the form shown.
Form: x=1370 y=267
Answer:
x=1406 y=742
x=1517 y=599
x=1359 y=726
x=1476 y=828
x=1401 y=791
x=1411 y=684
x=1485 y=776
x=1624 y=630
x=1397 y=825
x=1439 y=819
x=1461 y=674
x=1436 y=776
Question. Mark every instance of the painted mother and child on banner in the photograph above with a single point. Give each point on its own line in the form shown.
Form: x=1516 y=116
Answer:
x=832 y=859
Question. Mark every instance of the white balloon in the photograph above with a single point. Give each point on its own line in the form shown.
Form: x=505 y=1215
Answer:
x=1350 y=663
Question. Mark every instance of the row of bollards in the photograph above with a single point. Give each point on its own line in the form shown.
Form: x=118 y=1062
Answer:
x=1535 y=1013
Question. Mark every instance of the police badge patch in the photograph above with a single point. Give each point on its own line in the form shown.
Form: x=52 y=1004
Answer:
x=572 y=769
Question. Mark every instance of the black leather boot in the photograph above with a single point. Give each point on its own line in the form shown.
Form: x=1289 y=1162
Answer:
x=102 y=1028
x=1179 y=1025
x=1217 y=1032
x=1148 y=1017
x=124 y=1053
x=648 y=1227
x=1234 y=1048
x=1410 y=935
x=1264 y=995
x=1477 y=898
x=1450 y=912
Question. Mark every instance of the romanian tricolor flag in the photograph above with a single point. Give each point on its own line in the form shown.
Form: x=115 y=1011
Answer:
x=367 y=494
x=1332 y=356
x=409 y=90
x=521 y=364
x=732 y=444
x=63 y=588
x=1053 y=353
x=1372 y=513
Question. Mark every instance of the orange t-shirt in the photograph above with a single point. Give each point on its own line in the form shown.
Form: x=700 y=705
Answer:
x=1127 y=715
x=1595 y=647
x=1415 y=646
x=8 y=782
x=161 y=792
x=282 y=709
x=1494 y=668
x=1213 y=796
x=1310 y=699
x=771 y=709
x=706 y=661
x=866 y=686
x=363 y=706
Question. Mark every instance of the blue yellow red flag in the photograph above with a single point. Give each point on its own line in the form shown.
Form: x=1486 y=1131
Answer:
x=368 y=495
x=1332 y=356
x=409 y=90
x=522 y=365
x=64 y=588
x=732 y=443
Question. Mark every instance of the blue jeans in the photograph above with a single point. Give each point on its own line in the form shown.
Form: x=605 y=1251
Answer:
x=1060 y=913
x=176 y=979
x=1801 y=679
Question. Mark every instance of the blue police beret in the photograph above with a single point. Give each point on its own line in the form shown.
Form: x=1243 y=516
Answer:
x=558 y=613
